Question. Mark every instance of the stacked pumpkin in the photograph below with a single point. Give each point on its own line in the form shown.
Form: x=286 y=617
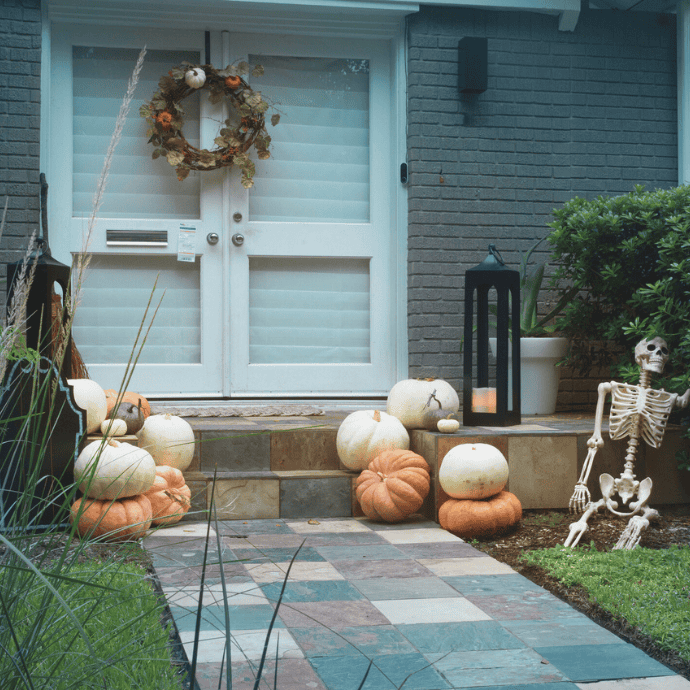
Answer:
x=128 y=488
x=474 y=475
x=394 y=481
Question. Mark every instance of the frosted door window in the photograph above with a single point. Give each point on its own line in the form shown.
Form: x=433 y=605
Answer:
x=319 y=165
x=138 y=187
x=116 y=292
x=308 y=311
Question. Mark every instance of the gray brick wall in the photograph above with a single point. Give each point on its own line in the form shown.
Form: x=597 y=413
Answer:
x=20 y=76
x=565 y=114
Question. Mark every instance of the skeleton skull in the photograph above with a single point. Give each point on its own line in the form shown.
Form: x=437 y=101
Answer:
x=652 y=355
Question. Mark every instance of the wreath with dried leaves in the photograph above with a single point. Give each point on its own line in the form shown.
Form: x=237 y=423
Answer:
x=245 y=128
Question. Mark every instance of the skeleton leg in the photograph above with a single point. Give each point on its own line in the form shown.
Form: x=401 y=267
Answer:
x=632 y=534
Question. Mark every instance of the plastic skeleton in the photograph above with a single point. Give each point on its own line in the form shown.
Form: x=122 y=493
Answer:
x=637 y=412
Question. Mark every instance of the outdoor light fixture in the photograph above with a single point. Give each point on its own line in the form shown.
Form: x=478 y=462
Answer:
x=483 y=404
x=473 y=62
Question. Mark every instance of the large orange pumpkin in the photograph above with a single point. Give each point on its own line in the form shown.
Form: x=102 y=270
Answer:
x=126 y=519
x=170 y=497
x=394 y=486
x=128 y=397
x=485 y=517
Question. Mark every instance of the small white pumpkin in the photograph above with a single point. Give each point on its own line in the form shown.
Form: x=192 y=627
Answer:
x=410 y=400
x=195 y=77
x=90 y=397
x=365 y=434
x=113 y=427
x=169 y=439
x=473 y=470
x=110 y=469
x=448 y=426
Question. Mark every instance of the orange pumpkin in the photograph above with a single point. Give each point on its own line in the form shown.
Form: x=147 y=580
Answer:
x=127 y=397
x=126 y=519
x=232 y=82
x=394 y=486
x=480 y=517
x=170 y=497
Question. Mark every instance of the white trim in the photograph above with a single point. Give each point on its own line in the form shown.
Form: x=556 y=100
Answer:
x=683 y=80
x=317 y=18
x=399 y=210
x=357 y=18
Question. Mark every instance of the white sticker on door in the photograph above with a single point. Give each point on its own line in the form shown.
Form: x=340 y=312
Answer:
x=186 y=243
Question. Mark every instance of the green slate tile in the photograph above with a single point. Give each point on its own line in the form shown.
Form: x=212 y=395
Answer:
x=567 y=631
x=328 y=590
x=388 y=671
x=495 y=667
x=347 y=672
x=587 y=663
x=431 y=638
x=487 y=585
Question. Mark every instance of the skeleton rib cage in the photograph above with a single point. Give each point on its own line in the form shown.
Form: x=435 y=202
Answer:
x=639 y=412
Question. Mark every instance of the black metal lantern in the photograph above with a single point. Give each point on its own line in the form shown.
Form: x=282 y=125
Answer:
x=484 y=405
x=48 y=273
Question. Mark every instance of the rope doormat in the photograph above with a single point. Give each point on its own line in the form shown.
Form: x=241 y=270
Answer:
x=228 y=411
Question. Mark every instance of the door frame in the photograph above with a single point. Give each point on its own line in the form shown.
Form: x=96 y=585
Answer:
x=391 y=30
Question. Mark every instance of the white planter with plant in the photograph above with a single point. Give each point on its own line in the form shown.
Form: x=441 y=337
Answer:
x=540 y=351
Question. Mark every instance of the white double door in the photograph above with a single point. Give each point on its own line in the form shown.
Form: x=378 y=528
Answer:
x=297 y=297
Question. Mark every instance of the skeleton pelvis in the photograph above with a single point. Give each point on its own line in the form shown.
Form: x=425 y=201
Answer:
x=626 y=488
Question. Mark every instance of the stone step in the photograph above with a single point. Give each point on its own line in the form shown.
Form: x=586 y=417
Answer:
x=288 y=467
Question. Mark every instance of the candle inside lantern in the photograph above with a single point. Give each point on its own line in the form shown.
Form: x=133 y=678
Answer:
x=484 y=400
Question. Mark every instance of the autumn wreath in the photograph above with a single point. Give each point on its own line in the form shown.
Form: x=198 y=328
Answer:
x=245 y=128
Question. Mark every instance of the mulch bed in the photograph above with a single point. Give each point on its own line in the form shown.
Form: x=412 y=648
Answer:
x=543 y=529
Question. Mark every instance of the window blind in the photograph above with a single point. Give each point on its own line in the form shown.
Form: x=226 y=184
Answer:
x=308 y=310
x=115 y=293
x=138 y=187
x=319 y=165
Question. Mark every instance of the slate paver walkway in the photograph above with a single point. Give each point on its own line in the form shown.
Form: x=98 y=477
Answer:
x=429 y=609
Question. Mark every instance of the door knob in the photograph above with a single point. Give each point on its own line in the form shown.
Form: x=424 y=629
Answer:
x=238 y=239
x=212 y=238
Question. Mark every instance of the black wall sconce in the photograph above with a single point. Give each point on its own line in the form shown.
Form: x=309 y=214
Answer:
x=483 y=405
x=473 y=61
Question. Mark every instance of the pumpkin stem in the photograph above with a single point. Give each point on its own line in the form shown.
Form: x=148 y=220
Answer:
x=433 y=397
x=377 y=416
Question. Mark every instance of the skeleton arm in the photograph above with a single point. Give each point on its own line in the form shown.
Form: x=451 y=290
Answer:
x=581 y=496
x=683 y=400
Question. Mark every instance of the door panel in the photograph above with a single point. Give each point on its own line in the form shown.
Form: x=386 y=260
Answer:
x=183 y=352
x=310 y=287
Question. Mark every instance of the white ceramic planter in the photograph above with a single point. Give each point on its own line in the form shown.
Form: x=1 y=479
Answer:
x=539 y=374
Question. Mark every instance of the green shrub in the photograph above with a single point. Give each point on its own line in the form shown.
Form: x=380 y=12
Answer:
x=630 y=258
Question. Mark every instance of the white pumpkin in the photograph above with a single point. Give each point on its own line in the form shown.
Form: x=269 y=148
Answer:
x=90 y=397
x=365 y=434
x=113 y=427
x=448 y=426
x=410 y=399
x=169 y=439
x=473 y=471
x=195 y=77
x=110 y=469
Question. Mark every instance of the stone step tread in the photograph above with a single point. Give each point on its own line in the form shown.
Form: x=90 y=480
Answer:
x=277 y=474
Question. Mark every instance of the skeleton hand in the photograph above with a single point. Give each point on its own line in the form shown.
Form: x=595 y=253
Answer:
x=580 y=498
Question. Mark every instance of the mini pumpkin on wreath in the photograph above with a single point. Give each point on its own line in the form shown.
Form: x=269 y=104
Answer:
x=247 y=128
